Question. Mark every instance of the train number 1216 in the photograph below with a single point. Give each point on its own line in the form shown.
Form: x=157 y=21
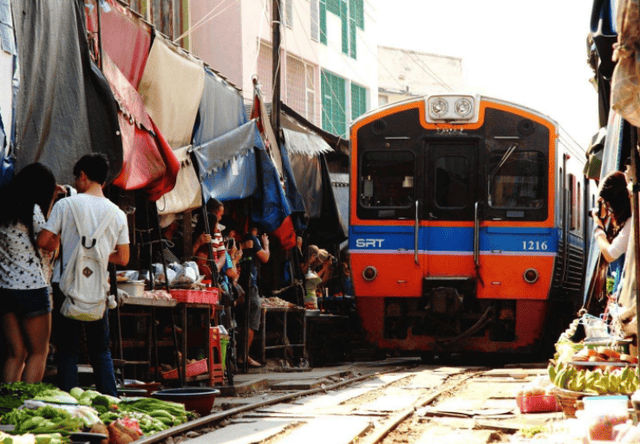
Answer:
x=534 y=245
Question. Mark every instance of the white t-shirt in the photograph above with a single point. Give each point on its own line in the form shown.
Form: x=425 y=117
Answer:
x=94 y=209
x=20 y=267
x=619 y=244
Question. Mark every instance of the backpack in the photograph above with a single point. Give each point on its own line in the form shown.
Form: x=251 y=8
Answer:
x=84 y=279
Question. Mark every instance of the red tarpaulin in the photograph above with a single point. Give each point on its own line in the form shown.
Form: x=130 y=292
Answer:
x=148 y=161
x=126 y=38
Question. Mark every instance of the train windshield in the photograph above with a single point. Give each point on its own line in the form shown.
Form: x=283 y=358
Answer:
x=387 y=179
x=516 y=180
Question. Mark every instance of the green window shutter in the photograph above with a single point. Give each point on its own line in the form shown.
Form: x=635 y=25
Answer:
x=344 y=18
x=323 y=21
x=333 y=6
x=333 y=104
x=352 y=39
x=359 y=13
x=358 y=101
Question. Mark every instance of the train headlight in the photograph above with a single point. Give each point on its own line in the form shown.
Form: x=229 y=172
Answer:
x=369 y=273
x=438 y=108
x=463 y=107
x=531 y=275
x=452 y=108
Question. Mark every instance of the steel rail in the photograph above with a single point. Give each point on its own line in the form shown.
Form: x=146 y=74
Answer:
x=380 y=432
x=217 y=417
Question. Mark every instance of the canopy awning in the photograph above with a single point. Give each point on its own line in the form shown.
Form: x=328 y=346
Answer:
x=172 y=86
x=148 y=161
x=126 y=38
x=65 y=108
x=221 y=109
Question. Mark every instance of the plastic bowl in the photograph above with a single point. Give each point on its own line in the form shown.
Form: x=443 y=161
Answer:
x=195 y=399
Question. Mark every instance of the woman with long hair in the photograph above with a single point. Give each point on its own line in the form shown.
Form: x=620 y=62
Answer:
x=25 y=302
x=612 y=231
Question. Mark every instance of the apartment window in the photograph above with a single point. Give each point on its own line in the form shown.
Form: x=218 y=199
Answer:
x=311 y=93
x=295 y=85
x=315 y=20
x=265 y=63
x=287 y=14
x=334 y=104
x=358 y=101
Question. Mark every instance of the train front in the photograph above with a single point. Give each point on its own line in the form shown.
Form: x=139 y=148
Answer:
x=452 y=224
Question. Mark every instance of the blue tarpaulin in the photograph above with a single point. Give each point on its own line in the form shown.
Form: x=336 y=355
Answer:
x=221 y=110
x=227 y=164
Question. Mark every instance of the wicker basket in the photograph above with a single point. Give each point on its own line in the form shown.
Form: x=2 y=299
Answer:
x=568 y=400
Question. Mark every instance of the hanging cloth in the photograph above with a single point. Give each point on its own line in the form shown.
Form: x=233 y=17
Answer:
x=625 y=83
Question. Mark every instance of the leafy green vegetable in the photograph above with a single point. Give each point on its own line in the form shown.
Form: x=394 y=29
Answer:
x=13 y=394
x=42 y=420
x=76 y=392
x=530 y=432
x=55 y=395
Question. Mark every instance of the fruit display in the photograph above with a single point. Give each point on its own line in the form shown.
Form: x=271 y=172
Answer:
x=598 y=381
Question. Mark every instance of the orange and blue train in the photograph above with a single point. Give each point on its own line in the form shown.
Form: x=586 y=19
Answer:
x=466 y=226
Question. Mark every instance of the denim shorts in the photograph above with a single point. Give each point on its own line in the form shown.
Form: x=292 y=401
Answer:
x=25 y=303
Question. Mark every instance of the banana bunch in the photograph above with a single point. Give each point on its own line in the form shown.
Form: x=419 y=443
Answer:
x=621 y=381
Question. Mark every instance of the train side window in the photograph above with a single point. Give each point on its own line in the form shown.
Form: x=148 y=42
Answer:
x=518 y=181
x=387 y=180
x=573 y=217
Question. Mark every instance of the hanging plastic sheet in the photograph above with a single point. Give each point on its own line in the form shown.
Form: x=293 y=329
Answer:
x=149 y=162
x=172 y=86
x=65 y=108
x=306 y=170
x=126 y=38
x=186 y=195
x=625 y=83
x=340 y=186
x=227 y=164
x=221 y=109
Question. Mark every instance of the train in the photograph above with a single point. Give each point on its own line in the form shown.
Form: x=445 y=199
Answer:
x=467 y=226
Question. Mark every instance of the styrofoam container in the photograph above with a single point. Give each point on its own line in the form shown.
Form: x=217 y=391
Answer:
x=135 y=289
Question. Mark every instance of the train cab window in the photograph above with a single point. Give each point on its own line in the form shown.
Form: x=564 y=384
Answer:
x=452 y=182
x=517 y=181
x=387 y=183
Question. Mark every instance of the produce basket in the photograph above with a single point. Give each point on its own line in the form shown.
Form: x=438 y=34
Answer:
x=538 y=404
x=568 y=400
x=193 y=369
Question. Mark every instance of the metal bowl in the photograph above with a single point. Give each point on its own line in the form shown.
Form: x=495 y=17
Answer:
x=198 y=399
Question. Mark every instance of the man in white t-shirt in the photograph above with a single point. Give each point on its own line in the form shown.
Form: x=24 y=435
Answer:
x=91 y=174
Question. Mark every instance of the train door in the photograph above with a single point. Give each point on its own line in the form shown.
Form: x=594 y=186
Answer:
x=450 y=205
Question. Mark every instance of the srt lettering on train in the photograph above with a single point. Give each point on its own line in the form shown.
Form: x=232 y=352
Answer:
x=364 y=243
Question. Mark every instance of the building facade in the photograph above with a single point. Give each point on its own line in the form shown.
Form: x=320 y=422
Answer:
x=404 y=73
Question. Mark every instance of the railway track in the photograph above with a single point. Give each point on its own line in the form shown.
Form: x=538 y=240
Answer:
x=395 y=405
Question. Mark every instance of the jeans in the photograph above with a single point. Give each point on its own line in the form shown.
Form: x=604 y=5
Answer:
x=67 y=334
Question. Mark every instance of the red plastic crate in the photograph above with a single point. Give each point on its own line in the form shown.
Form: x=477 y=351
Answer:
x=209 y=296
x=190 y=296
x=194 y=369
x=538 y=404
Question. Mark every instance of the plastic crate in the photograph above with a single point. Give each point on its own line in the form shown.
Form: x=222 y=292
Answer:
x=194 y=369
x=209 y=296
x=189 y=296
x=538 y=404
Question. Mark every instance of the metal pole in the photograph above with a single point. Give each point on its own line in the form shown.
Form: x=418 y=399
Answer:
x=275 y=102
x=98 y=9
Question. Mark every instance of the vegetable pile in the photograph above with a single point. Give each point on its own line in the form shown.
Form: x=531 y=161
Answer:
x=43 y=414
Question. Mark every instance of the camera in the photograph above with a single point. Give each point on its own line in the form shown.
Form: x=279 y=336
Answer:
x=596 y=212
